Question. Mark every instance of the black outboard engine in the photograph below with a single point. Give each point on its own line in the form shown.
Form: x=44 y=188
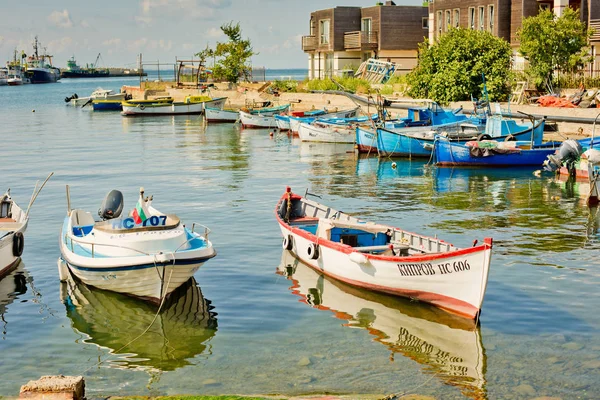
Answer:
x=112 y=205
x=568 y=152
x=72 y=97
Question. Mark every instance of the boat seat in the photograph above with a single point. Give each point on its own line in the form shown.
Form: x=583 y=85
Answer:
x=304 y=221
x=4 y=220
x=82 y=230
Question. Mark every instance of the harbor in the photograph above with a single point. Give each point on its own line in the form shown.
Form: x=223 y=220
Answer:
x=372 y=201
x=537 y=336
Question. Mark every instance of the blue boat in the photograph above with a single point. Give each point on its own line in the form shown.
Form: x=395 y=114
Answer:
x=491 y=153
x=419 y=141
x=107 y=105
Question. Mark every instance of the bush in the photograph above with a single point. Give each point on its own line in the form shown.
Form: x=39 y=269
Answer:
x=348 y=84
x=453 y=68
x=285 y=86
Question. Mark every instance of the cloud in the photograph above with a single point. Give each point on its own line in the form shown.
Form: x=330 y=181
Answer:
x=62 y=19
x=177 y=9
x=60 y=45
x=214 y=32
x=84 y=24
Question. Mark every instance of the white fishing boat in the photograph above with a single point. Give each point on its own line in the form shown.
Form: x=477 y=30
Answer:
x=13 y=224
x=447 y=346
x=218 y=115
x=384 y=258
x=249 y=120
x=98 y=94
x=147 y=253
x=327 y=133
x=190 y=106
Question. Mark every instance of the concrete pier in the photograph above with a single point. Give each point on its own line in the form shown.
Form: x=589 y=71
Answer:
x=56 y=387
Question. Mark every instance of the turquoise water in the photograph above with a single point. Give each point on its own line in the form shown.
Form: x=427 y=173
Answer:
x=257 y=322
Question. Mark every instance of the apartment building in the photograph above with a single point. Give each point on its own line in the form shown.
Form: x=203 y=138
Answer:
x=504 y=18
x=341 y=38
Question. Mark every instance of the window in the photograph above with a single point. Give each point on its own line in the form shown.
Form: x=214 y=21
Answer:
x=491 y=18
x=438 y=23
x=448 y=23
x=544 y=6
x=324 y=31
x=471 y=17
x=481 y=18
x=425 y=22
x=456 y=21
x=366 y=24
x=312 y=26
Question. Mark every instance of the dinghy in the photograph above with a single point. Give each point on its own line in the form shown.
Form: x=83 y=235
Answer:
x=384 y=258
x=146 y=254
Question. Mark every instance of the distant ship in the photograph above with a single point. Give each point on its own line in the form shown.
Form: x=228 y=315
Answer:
x=90 y=71
x=39 y=66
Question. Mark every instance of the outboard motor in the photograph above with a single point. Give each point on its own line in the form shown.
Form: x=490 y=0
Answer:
x=112 y=205
x=568 y=152
x=72 y=97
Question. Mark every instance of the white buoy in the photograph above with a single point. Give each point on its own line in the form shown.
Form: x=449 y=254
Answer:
x=394 y=165
x=358 y=258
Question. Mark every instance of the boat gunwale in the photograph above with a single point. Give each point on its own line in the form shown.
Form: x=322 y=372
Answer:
x=487 y=244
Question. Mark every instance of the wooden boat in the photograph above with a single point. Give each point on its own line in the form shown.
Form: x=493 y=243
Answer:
x=327 y=133
x=383 y=258
x=419 y=141
x=414 y=330
x=218 y=115
x=283 y=121
x=190 y=106
x=334 y=113
x=490 y=153
x=147 y=253
x=98 y=94
x=178 y=333
x=13 y=224
x=366 y=139
x=261 y=117
x=107 y=105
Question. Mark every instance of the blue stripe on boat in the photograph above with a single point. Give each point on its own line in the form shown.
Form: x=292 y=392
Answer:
x=141 y=266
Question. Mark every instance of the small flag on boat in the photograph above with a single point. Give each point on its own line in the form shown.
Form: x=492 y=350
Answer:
x=140 y=214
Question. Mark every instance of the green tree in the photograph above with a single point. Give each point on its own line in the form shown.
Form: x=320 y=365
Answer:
x=452 y=69
x=232 y=56
x=553 y=43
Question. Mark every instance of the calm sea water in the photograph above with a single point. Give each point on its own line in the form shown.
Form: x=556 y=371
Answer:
x=258 y=322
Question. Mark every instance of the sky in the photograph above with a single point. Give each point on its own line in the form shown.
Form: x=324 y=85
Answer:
x=161 y=30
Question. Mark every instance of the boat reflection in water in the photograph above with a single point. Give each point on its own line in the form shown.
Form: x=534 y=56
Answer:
x=448 y=346
x=180 y=332
x=12 y=286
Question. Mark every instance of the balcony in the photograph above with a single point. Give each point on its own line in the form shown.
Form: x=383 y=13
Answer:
x=595 y=25
x=360 y=41
x=309 y=43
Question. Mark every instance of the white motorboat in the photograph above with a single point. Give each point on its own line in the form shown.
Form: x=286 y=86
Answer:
x=146 y=253
x=98 y=94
